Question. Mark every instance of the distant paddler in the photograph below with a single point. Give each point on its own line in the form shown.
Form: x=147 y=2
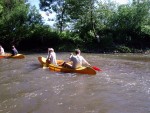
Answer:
x=14 y=51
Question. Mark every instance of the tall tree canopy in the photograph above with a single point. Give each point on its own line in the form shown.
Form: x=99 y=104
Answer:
x=16 y=20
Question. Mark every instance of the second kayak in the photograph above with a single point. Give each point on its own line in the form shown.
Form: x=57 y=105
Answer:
x=8 y=55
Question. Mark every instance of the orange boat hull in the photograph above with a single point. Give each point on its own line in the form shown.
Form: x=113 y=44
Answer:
x=82 y=70
x=8 y=55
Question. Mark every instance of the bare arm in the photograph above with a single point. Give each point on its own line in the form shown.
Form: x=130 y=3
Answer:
x=85 y=62
x=71 y=54
x=49 y=55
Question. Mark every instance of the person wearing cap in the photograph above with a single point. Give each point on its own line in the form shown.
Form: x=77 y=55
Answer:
x=77 y=60
x=2 y=52
x=51 y=57
x=14 y=51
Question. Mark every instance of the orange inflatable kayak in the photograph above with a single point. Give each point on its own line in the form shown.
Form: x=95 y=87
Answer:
x=82 y=70
x=8 y=55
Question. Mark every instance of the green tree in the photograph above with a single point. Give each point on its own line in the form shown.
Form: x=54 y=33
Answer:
x=12 y=19
x=59 y=7
x=83 y=19
x=17 y=20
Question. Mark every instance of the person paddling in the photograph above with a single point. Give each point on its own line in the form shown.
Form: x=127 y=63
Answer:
x=77 y=60
x=51 y=57
x=14 y=51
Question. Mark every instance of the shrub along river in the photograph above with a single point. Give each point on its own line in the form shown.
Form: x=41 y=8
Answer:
x=122 y=87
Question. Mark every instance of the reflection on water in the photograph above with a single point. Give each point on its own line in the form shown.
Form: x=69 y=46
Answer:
x=122 y=87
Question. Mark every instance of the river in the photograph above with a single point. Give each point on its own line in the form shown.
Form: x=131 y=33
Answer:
x=122 y=87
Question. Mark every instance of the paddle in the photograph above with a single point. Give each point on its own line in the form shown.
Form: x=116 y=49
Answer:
x=96 y=68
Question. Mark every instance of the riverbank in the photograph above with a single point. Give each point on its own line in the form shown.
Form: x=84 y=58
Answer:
x=100 y=51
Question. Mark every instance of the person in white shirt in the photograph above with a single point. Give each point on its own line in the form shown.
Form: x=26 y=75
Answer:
x=51 y=57
x=2 y=52
x=77 y=60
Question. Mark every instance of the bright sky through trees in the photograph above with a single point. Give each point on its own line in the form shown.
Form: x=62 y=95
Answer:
x=36 y=2
x=52 y=15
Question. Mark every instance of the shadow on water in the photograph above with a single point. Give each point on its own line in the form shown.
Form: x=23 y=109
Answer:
x=35 y=66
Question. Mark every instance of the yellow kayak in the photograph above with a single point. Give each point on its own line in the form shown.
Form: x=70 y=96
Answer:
x=82 y=70
x=8 y=55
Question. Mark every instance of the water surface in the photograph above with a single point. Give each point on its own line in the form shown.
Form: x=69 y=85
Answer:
x=122 y=87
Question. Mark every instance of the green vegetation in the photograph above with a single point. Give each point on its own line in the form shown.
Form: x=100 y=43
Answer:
x=91 y=25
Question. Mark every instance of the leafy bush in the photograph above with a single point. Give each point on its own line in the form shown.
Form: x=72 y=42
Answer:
x=123 y=49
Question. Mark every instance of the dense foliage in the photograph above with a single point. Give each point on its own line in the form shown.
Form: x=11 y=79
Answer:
x=91 y=25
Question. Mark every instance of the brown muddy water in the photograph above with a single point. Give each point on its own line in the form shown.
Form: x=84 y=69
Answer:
x=122 y=87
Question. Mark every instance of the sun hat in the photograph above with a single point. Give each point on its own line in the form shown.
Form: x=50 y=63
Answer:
x=50 y=49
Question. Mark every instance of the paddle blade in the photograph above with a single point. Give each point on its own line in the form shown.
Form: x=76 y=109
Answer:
x=96 y=68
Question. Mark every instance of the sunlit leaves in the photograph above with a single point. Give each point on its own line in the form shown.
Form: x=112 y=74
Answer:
x=146 y=29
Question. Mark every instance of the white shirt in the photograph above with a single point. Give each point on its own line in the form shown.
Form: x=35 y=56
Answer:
x=52 y=56
x=77 y=61
x=1 y=51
